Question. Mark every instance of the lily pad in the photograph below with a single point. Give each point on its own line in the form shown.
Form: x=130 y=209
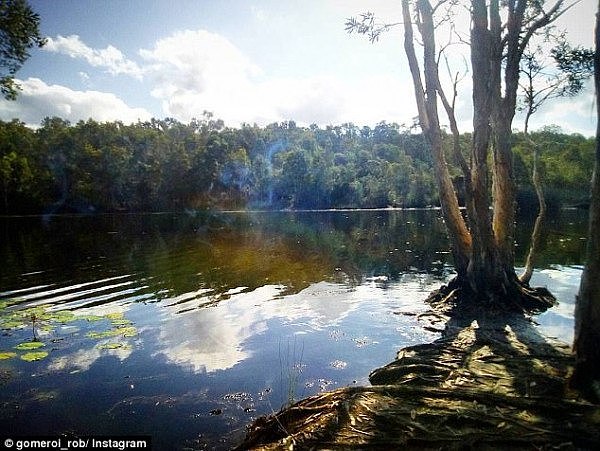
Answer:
x=8 y=302
x=114 y=316
x=91 y=318
x=113 y=346
x=120 y=322
x=9 y=323
x=97 y=335
x=33 y=356
x=7 y=355
x=64 y=316
x=127 y=332
x=29 y=345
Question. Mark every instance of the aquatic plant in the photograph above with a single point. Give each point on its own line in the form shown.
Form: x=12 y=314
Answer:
x=46 y=321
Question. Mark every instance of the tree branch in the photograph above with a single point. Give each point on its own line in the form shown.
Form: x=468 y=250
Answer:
x=413 y=65
x=546 y=19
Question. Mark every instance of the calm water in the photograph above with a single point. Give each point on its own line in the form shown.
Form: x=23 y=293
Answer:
x=188 y=326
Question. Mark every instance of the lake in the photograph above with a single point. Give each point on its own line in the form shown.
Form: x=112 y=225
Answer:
x=188 y=326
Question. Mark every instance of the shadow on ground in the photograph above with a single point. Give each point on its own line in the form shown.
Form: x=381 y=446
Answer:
x=492 y=381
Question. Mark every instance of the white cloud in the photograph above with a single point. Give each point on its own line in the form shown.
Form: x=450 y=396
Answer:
x=258 y=13
x=221 y=332
x=109 y=58
x=83 y=359
x=84 y=77
x=312 y=100
x=194 y=71
x=573 y=115
x=197 y=60
x=38 y=100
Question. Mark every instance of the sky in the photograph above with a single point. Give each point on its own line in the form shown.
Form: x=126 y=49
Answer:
x=245 y=61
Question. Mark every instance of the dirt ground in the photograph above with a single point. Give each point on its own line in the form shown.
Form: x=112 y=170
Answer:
x=491 y=382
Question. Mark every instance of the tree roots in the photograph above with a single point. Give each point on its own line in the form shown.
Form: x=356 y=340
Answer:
x=512 y=297
x=492 y=381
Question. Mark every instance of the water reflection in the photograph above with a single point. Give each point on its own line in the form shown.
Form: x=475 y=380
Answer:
x=213 y=339
x=171 y=255
x=84 y=358
x=193 y=324
x=563 y=281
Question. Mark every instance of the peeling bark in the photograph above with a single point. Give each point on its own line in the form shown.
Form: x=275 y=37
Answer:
x=426 y=99
x=484 y=251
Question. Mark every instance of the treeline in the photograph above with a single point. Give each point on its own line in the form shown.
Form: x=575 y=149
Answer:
x=167 y=165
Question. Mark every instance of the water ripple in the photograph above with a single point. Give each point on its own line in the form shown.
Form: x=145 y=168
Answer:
x=123 y=288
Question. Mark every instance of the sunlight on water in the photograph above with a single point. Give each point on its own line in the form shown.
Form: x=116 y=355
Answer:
x=194 y=325
x=563 y=282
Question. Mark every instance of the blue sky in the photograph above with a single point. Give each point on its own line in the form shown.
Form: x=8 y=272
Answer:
x=254 y=61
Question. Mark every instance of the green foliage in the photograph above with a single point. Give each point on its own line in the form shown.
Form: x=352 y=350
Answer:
x=576 y=62
x=19 y=32
x=566 y=164
x=126 y=332
x=166 y=165
x=119 y=327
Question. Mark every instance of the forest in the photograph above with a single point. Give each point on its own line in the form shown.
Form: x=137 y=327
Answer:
x=158 y=165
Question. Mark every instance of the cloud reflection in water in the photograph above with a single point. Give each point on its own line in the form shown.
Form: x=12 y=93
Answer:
x=211 y=339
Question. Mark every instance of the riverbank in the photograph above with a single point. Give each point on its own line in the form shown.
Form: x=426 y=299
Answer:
x=491 y=381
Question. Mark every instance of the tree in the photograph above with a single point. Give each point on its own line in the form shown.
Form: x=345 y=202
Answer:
x=16 y=143
x=543 y=81
x=561 y=75
x=19 y=32
x=483 y=243
x=587 y=308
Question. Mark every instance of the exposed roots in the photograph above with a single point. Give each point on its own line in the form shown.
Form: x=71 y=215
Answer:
x=514 y=296
x=408 y=417
x=490 y=382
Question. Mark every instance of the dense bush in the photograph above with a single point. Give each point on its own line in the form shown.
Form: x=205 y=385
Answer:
x=166 y=165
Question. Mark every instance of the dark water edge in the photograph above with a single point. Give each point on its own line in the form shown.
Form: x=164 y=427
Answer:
x=234 y=314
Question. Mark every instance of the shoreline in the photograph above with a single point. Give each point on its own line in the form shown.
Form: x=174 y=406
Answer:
x=490 y=381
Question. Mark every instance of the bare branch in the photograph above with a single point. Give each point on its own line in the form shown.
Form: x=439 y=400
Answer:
x=449 y=107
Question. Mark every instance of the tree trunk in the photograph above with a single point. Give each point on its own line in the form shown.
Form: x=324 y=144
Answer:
x=504 y=58
x=537 y=228
x=491 y=274
x=503 y=111
x=426 y=100
x=483 y=255
x=587 y=309
x=483 y=265
x=536 y=234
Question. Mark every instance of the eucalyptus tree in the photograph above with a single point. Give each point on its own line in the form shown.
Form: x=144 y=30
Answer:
x=19 y=32
x=482 y=243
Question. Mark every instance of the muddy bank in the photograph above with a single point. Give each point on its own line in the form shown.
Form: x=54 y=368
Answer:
x=492 y=381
